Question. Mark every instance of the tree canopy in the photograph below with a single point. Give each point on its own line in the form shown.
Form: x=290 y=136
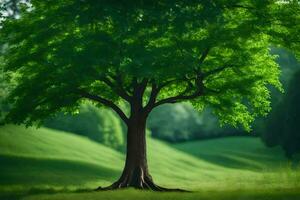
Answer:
x=211 y=53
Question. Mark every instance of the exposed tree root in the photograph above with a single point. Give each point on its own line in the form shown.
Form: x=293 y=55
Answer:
x=139 y=181
x=145 y=186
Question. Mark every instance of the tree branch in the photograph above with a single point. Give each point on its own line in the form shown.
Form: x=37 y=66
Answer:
x=118 y=89
x=215 y=71
x=179 y=98
x=105 y=102
x=204 y=55
x=139 y=87
x=154 y=92
x=199 y=89
x=182 y=96
x=159 y=87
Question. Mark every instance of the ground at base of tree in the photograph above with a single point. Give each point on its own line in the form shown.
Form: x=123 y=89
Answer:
x=128 y=194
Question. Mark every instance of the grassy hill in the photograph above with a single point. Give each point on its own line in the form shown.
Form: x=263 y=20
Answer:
x=33 y=160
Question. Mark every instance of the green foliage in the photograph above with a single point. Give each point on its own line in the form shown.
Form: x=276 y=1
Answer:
x=242 y=92
x=174 y=123
x=111 y=130
x=286 y=29
x=101 y=125
x=288 y=66
x=5 y=87
x=214 y=54
x=283 y=126
x=181 y=122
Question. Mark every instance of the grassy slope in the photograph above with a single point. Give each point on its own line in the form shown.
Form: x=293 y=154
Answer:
x=44 y=158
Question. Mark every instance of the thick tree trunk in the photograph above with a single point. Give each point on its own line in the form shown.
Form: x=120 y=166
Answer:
x=135 y=173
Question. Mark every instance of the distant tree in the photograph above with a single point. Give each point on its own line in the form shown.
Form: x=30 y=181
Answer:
x=163 y=122
x=181 y=122
x=146 y=53
x=283 y=127
x=5 y=86
x=111 y=130
x=291 y=139
x=288 y=66
x=100 y=125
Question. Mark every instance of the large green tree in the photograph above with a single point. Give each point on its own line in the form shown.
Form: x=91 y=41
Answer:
x=145 y=53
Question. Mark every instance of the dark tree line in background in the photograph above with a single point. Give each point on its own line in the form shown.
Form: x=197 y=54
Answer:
x=283 y=125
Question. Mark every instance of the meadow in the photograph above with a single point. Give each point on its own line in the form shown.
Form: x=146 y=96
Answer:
x=40 y=164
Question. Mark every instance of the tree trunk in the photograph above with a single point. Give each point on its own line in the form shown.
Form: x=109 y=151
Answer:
x=135 y=173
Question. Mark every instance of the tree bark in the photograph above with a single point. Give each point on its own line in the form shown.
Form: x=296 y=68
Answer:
x=135 y=173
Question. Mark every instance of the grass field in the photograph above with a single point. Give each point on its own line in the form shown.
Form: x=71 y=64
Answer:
x=37 y=164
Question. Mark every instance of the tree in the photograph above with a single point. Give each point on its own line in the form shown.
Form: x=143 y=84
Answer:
x=161 y=122
x=146 y=53
x=101 y=125
x=193 y=125
x=291 y=139
x=283 y=127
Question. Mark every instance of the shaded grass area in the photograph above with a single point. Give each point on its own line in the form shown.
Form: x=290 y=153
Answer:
x=33 y=171
x=49 y=164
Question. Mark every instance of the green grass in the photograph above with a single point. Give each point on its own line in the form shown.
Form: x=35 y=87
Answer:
x=34 y=161
x=206 y=195
x=236 y=152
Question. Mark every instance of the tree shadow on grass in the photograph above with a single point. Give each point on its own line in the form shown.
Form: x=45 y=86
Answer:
x=36 y=175
x=226 y=159
x=35 y=171
x=40 y=191
x=229 y=161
